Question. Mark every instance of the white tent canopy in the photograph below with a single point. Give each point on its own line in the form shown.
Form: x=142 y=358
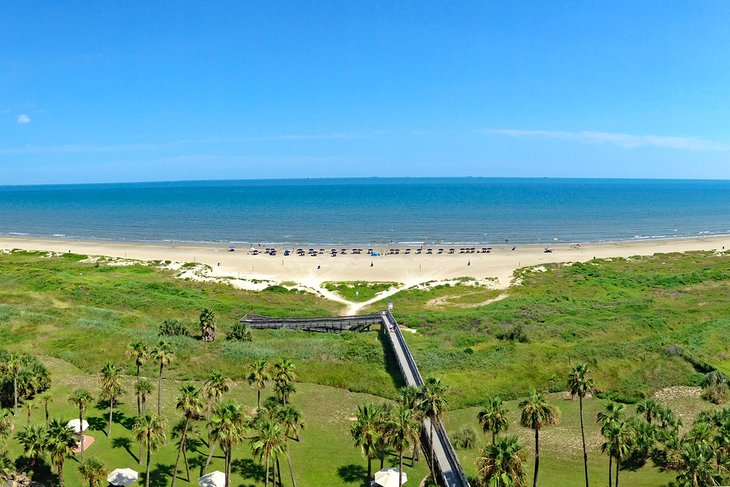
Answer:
x=388 y=477
x=213 y=479
x=122 y=477
x=77 y=426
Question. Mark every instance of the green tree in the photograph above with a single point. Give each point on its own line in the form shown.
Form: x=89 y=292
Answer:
x=190 y=405
x=111 y=388
x=229 y=426
x=143 y=389
x=258 y=375
x=617 y=444
x=649 y=408
x=33 y=441
x=696 y=468
x=612 y=412
x=580 y=384
x=493 y=417
x=60 y=442
x=163 y=354
x=46 y=398
x=29 y=407
x=403 y=427
x=283 y=375
x=6 y=428
x=290 y=420
x=268 y=440
x=81 y=398
x=92 y=471
x=502 y=464
x=214 y=387
x=410 y=398
x=207 y=325
x=139 y=352
x=14 y=365
x=434 y=405
x=150 y=432
x=365 y=433
x=536 y=414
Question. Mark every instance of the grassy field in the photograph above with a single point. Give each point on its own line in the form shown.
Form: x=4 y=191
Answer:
x=621 y=316
x=358 y=291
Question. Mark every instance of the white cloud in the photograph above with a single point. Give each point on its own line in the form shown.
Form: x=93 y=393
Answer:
x=628 y=141
x=23 y=119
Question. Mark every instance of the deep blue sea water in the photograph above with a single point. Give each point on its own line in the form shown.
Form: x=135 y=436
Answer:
x=479 y=210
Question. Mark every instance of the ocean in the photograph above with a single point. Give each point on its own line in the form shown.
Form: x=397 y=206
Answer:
x=380 y=210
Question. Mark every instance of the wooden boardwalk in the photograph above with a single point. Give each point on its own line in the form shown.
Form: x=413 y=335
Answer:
x=448 y=469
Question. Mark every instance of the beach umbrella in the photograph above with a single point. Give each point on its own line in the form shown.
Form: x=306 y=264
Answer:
x=213 y=479
x=122 y=477
x=388 y=477
x=78 y=427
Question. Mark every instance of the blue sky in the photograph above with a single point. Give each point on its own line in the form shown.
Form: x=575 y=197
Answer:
x=139 y=91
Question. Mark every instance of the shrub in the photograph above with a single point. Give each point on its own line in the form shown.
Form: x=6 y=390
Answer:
x=240 y=332
x=465 y=438
x=514 y=333
x=174 y=328
x=32 y=379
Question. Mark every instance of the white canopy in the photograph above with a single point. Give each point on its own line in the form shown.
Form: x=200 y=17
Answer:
x=213 y=479
x=388 y=477
x=122 y=477
x=76 y=426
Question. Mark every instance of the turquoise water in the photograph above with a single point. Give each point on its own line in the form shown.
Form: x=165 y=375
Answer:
x=479 y=210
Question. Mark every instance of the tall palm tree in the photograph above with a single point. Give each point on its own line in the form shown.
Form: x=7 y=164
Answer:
x=229 y=426
x=163 y=354
x=410 y=398
x=365 y=432
x=434 y=405
x=649 y=408
x=190 y=404
x=140 y=353
x=213 y=389
x=258 y=375
x=33 y=441
x=111 y=387
x=580 y=383
x=268 y=440
x=207 y=325
x=143 y=389
x=60 y=442
x=93 y=471
x=290 y=420
x=617 y=443
x=385 y=413
x=150 y=431
x=283 y=375
x=536 y=414
x=502 y=464
x=612 y=412
x=81 y=398
x=14 y=365
x=403 y=427
x=493 y=417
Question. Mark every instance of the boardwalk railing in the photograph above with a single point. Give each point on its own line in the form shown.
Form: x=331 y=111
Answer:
x=446 y=465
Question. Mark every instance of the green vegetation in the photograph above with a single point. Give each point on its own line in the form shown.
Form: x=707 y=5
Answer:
x=358 y=291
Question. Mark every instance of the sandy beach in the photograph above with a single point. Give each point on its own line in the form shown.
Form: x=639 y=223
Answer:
x=410 y=270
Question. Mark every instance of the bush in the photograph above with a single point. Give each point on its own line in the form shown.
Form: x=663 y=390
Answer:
x=465 y=439
x=32 y=379
x=514 y=333
x=174 y=328
x=240 y=332
x=715 y=393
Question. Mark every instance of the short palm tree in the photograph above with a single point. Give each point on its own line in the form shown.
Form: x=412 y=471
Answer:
x=283 y=375
x=207 y=325
x=434 y=405
x=403 y=427
x=150 y=432
x=6 y=427
x=258 y=375
x=229 y=427
x=696 y=467
x=268 y=440
x=163 y=354
x=493 y=417
x=92 y=471
x=143 y=389
x=46 y=398
x=618 y=439
x=365 y=433
x=649 y=408
x=33 y=441
x=536 y=414
x=290 y=420
x=111 y=388
x=14 y=365
x=580 y=384
x=81 y=398
x=29 y=407
x=190 y=405
x=60 y=442
x=612 y=412
x=139 y=352
x=502 y=464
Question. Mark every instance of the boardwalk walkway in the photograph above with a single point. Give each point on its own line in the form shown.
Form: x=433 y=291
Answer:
x=448 y=469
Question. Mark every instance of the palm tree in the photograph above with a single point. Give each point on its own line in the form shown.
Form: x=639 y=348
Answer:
x=93 y=471
x=612 y=412
x=140 y=353
x=14 y=365
x=60 y=442
x=268 y=440
x=434 y=404
x=6 y=427
x=502 y=464
x=696 y=466
x=33 y=441
x=649 y=408
x=283 y=377
x=258 y=375
x=29 y=407
x=229 y=424
x=403 y=427
x=536 y=414
x=493 y=417
x=290 y=420
x=46 y=398
x=617 y=442
x=150 y=432
x=207 y=325
x=365 y=432
x=213 y=389
x=385 y=413
x=81 y=398
x=190 y=404
x=163 y=354
x=580 y=384
x=410 y=398
x=143 y=389
x=111 y=387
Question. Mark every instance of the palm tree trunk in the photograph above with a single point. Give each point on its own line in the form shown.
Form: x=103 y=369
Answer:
x=583 y=437
x=15 y=393
x=210 y=455
x=159 y=392
x=610 y=470
x=618 y=464
x=141 y=450
x=278 y=469
x=60 y=474
x=45 y=406
x=81 y=427
x=227 y=481
x=111 y=411
x=139 y=407
x=400 y=468
x=183 y=437
x=185 y=459
x=147 y=477
x=267 y=470
x=537 y=456
x=258 y=399
x=291 y=469
x=370 y=468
